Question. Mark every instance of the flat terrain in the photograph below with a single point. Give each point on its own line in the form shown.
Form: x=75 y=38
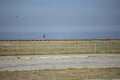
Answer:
x=11 y=63
x=63 y=74
x=63 y=60
x=59 y=47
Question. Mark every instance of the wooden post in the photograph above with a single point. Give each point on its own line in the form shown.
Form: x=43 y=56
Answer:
x=33 y=48
x=95 y=48
x=108 y=47
x=66 y=47
x=78 y=47
x=17 y=47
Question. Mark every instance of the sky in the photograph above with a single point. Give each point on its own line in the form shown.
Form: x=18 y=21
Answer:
x=73 y=16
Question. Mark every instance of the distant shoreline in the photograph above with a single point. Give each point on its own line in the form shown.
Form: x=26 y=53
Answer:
x=55 y=39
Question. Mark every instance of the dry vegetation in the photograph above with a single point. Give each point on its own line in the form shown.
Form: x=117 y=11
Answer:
x=59 y=47
x=62 y=74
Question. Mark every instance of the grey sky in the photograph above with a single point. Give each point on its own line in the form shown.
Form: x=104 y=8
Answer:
x=59 y=15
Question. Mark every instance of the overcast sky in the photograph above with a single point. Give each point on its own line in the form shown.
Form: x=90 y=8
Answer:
x=59 y=15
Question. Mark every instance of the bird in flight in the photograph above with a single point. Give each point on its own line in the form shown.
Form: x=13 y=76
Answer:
x=16 y=16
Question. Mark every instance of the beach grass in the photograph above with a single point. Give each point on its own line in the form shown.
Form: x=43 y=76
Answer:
x=63 y=74
x=59 y=47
